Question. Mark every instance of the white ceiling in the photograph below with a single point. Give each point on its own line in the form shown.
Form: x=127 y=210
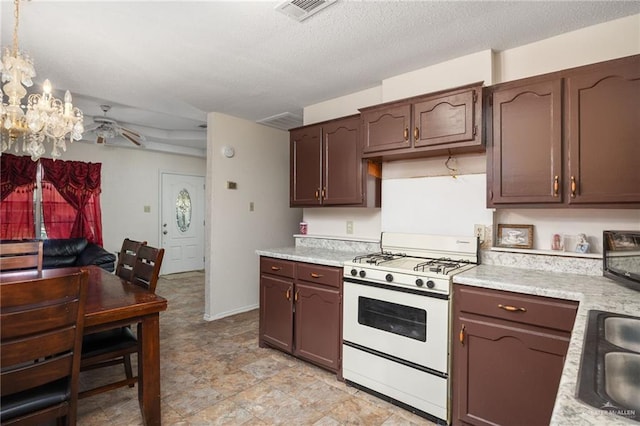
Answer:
x=164 y=64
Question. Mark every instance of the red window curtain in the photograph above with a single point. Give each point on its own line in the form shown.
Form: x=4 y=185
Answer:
x=71 y=199
x=18 y=181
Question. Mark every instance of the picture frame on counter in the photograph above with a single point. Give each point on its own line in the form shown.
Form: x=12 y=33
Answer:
x=515 y=236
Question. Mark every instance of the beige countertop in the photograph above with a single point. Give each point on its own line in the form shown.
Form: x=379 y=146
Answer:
x=592 y=292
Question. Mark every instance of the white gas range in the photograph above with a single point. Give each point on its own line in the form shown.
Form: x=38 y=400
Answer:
x=396 y=319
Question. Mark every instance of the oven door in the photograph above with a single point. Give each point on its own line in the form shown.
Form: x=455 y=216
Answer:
x=412 y=326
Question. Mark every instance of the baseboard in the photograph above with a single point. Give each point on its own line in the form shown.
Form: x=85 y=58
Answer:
x=230 y=313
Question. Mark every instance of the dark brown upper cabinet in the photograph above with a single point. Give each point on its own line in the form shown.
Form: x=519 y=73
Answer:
x=527 y=143
x=429 y=125
x=569 y=138
x=327 y=167
x=603 y=133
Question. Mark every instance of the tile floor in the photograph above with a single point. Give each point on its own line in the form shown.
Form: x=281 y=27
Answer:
x=214 y=373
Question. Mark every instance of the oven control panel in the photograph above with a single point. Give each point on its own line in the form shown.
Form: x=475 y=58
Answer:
x=407 y=280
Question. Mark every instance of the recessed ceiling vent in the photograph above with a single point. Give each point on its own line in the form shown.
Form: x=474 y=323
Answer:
x=302 y=9
x=284 y=121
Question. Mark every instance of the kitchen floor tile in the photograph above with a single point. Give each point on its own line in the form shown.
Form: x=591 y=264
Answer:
x=214 y=373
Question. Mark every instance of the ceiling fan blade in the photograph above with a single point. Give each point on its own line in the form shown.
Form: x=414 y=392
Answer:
x=130 y=138
x=91 y=127
x=100 y=140
x=131 y=132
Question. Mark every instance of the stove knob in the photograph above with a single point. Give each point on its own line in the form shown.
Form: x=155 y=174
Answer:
x=363 y=274
x=389 y=277
x=354 y=272
x=431 y=284
x=419 y=282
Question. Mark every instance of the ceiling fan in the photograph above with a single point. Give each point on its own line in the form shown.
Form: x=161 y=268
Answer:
x=107 y=128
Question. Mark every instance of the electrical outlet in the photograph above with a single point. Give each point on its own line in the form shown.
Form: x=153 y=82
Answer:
x=349 y=227
x=478 y=231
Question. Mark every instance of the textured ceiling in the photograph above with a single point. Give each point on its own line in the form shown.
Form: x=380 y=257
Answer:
x=163 y=65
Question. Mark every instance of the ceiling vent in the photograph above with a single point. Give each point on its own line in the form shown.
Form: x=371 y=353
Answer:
x=302 y=9
x=284 y=121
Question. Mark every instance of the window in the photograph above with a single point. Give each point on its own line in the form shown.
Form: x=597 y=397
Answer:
x=59 y=199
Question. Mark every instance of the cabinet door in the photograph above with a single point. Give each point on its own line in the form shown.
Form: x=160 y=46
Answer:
x=603 y=134
x=342 y=164
x=306 y=149
x=446 y=119
x=505 y=373
x=276 y=312
x=386 y=128
x=526 y=148
x=317 y=324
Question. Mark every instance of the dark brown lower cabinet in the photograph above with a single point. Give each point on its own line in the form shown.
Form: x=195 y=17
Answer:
x=508 y=355
x=301 y=310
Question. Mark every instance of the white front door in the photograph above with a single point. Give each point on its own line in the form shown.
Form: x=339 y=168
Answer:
x=182 y=223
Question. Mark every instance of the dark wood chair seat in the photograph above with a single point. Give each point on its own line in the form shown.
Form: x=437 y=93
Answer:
x=41 y=336
x=113 y=347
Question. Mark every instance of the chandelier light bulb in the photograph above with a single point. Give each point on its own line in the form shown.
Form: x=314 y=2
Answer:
x=47 y=118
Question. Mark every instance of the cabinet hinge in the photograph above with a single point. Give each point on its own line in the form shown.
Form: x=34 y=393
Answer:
x=491 y=194
x=475 y=130
x=475 y=97
x=490 y=100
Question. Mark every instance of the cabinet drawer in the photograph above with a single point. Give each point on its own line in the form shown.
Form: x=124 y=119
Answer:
x=535 y=310
x=283 y=268
x=326 y=275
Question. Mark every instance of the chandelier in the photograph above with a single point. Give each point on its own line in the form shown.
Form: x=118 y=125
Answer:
x=46 y=118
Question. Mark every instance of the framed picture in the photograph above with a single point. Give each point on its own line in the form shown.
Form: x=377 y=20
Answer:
x=515 y=236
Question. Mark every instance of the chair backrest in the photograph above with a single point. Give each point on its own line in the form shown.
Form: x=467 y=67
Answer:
x=21 y=255
x=127 y=258
x=40 y=341
x=147 y=268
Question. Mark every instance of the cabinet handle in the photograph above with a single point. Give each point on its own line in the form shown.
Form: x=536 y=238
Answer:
x=511 y=308
x=324 y=193
x=318 y=194
x=275 y=268
x=573 y=187
x=314 y=275
x=461 y=335
x=296 y=296
x=556 y=185
x=406 y=134
x=416 y=134
x=288 y=295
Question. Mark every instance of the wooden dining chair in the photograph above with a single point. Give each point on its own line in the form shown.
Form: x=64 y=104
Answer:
x=114 y=347
x=127 y=258
x=147 y=268
x=21 y=255
x=40 y=340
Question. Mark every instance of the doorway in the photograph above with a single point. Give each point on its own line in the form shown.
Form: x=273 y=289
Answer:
x=182 y=222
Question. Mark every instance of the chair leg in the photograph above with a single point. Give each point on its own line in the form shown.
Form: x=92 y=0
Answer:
x=127 y=368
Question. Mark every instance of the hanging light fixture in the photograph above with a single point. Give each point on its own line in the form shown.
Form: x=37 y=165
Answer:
x=46 y=118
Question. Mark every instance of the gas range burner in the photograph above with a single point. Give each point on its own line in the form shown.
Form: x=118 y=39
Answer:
x=377 y=258
x=443 y=265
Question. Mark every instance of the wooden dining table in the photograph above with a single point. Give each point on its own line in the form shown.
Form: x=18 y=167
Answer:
x=112 y=302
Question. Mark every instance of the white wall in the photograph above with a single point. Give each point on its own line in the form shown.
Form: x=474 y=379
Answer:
x=130 y=181
x=601 y=42
x=260 y=168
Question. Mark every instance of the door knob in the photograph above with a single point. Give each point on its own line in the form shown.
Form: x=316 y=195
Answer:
x=164 y=225
x=165 y=232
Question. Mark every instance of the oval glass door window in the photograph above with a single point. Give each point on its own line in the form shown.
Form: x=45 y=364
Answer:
x=183 y=210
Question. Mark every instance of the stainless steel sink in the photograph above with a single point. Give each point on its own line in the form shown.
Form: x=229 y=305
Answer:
x=623 y=332
x=622 y=378
x=609 y=377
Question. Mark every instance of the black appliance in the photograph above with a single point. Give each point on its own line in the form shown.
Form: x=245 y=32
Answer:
x=621 y=257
